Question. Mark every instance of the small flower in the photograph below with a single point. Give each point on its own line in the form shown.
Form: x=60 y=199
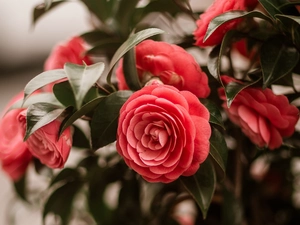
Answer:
x=45 y=145
x=163 y=133
x=171 y=64
x=264 y=117
x=14 y=154
x=217 y=8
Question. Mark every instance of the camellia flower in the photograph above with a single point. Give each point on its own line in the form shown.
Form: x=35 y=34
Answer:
x=14 y=154
x=45 y=145
x=72 y=51
x=263 y=116
x=171 y=64
x=163 y=133
x=217 y=8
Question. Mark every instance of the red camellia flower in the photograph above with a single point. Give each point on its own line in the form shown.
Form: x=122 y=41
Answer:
x=163 y=133
x=72 y=51
x=14 y=154
x=217 y=8
x=263 y=116
x=45 y=145
x=171 y=64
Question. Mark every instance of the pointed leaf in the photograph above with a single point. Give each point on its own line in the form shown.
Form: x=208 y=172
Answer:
x=272 y=6
x=84 y=110
x=40 y=114
x=65 y=175
x=64 y=94
x=82 y=78
x=20 y=187
x=277 y=60
x=80 y=140
x=129 y=44
x=215 y=114
x=202 y=185
x=218 y=149
x=43 y=8
x=43 y=79
x=130 y=71
x=105 y=120
x=61 y=200
x=232 y=15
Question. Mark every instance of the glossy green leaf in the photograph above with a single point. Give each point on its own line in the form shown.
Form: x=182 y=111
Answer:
x=61 y=200
x=232 y=15
x=218 y=149
x=80 y=140
x=272 y=6
x=233 y=88
x=130 y=71
x=129 y=44
x=64 y=94
x=43 y=8
x=106 y=46
x=84 y=110
x=105 y=120
x=95 y=36
x=20 y=187
x=214 y=62
x=202 y=185
x=185 y=6
x=82 y=78
x=43 y=79
x=40 y=114
x=277 y=60
x=215 y=114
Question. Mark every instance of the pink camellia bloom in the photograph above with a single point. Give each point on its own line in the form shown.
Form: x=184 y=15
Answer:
x=163 y=133
x=14 y=154
x=72 y=51
x=45 y=145
x=171 y=64
x=217 y=8
x=263 y=116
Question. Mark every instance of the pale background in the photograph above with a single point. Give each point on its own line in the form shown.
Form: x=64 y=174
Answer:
x=23 y=49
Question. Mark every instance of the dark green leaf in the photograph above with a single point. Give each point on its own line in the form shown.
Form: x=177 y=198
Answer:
x=232 y=210
x=202 y=185
x=233 y=88
x=277 y=60
x=61 y=200
x=129 y=44
x=105 y=120
x=43 y=79
x=40 y=114
x=82 y=78
x=65 y=175
x=185 y=6
x=95 y=36
x=43 y=8
x=20 y=187
x=64 y=94
x=272 y=6
x=84 y=110
x=79 y=139
x=214 y=62
x=130 y=71
x=232 y=15
x=105 y=47
x=42 y=169
x=215 y=114
x=218 y=149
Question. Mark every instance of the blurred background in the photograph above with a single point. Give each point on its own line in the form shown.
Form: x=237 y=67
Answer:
x=23 y=50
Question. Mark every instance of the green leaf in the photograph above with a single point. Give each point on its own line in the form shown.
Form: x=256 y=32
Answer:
x=215 y=114
x=82 y=78
x=130 y=71
x=64 y=94
x=43 y=79
x=43 y=8
x=272 y=6
x=40 y=114
x=61 y=200
x=277 y=60
x=129 y=44
x=232 y=15
x=233 y=88
x=65 y=175
x=79 y=139
x=105 y=120
x=95 y=36
x=202 y=185
x=20 y=187
x=232 y=209
x=218 y=149
x=84 y=110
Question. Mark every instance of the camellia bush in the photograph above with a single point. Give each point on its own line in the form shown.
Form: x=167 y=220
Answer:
x=176 y=117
